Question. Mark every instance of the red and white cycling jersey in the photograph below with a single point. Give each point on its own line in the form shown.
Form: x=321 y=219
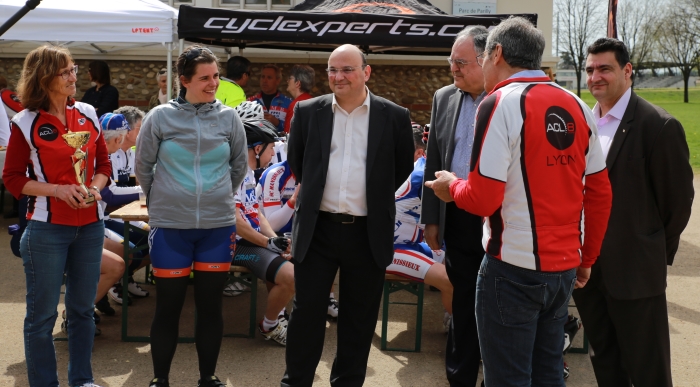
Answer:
x=537 y=166
x=11 y=102
x=36 y=139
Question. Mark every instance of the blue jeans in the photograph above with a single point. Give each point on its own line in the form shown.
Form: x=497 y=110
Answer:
x=49 y=251
x=520 y=316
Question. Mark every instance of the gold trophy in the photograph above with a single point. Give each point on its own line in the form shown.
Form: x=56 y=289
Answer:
x=77 y=140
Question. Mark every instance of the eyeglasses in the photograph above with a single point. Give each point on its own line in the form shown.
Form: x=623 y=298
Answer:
x=195 y=53
x=480 y=59
x=66 y=74
x=345 y=70
x=460 y=63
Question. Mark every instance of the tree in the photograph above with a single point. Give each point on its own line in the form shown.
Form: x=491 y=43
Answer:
x=636 y=26
x=679 y=41
x=581 y=23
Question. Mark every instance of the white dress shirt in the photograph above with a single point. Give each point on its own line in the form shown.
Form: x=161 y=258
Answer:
x=346 y=187
x=608 y=124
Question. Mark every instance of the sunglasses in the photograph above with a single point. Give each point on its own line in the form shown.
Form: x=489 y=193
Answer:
x=195 y=53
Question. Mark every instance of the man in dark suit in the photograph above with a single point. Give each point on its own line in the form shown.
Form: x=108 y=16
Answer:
x=623 y=307
x=450 y=143
x=350 y=150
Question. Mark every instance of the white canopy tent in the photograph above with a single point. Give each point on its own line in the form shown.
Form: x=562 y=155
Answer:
x=101 y=26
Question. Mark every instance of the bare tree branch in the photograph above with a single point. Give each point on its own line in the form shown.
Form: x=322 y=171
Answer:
x=637 y=25
x=582 y=22
x=678 y=40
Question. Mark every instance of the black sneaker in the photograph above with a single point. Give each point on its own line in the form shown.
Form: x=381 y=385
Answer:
x=210 y=381
x=571 y=327
x=159 y=382
x=96 y=317
x=104 y=307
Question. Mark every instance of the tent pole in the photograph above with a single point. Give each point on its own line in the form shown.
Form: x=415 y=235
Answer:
x=170 y=71
x=182 y=46
x=28 y=6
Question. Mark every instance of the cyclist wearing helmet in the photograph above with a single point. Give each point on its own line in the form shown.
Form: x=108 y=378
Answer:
x=258 y=247
x=199 y=148
x=248 y=110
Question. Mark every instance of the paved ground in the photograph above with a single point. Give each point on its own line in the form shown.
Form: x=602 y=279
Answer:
x=255 y=362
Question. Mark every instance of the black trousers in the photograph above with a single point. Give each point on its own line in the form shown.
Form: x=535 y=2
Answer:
x=629 y=339
x=334 y=246
x=464 y=253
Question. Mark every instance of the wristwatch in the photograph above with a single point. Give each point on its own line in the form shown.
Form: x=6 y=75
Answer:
x=95 y=188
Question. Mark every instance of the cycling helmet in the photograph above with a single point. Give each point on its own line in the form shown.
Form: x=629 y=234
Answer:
x=416 y=126
x=248 y=110
x=259 y=132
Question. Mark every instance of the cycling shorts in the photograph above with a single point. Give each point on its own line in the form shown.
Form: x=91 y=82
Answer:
x=262 y=262
x=175 y=252
x=411 y=261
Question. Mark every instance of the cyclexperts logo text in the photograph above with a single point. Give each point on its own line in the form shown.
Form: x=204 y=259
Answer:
x=236 y=26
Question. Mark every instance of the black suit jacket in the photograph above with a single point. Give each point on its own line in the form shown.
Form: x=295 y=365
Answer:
x=652 y=184
x=389 y=162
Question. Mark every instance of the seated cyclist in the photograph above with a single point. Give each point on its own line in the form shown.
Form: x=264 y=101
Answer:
x=413 y=259
x=258 y=247
x=118 y=193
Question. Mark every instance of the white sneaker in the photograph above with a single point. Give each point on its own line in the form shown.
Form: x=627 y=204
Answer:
x=446 y=322
x=115 y=293
x=234 y=289
x=332 y=307
x=283 y=317
x=89 y=385
x=278 y=333
x=136 y=290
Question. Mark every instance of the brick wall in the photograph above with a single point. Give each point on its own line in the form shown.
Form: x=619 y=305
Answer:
x=410 y=86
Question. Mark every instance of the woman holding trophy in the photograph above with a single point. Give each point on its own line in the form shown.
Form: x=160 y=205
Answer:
x=191 y=157
x=59 y=143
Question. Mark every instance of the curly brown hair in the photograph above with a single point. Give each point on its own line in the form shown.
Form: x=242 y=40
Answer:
x=40 y=68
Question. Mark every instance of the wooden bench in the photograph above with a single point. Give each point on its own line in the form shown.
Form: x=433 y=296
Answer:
x=392 y=284
x=249 y=280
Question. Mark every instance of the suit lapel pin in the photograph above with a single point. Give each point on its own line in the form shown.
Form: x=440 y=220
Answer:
x=623 y=130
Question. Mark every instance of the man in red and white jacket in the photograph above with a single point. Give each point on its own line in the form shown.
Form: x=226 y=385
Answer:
x=536 y=169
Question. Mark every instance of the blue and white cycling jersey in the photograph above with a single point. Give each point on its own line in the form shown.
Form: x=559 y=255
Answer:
x=247 y=201
x=275 y=187
x=408 y=207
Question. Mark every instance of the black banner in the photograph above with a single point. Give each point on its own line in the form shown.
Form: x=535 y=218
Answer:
x=234 y=27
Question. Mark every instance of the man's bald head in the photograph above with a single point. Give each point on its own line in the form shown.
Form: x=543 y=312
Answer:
x=350 y=48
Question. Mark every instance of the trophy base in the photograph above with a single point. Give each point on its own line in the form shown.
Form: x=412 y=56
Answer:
x=89 y=199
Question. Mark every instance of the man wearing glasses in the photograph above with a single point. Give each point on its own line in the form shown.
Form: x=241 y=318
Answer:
x=537 y=167
x=350 y=151
x=450 y=146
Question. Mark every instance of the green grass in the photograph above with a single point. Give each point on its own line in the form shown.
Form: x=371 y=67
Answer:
x=672 y=101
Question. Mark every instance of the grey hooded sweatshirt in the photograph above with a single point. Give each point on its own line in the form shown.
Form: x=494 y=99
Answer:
x=190 y=161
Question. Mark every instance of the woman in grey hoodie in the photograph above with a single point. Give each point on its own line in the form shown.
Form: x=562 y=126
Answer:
x=190 y=158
